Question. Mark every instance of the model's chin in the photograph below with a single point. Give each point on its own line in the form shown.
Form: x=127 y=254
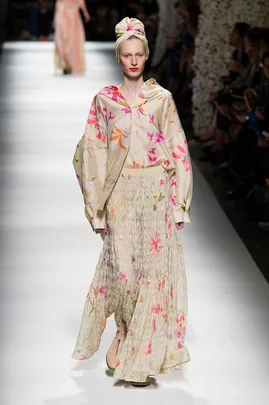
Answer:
x=134 y=75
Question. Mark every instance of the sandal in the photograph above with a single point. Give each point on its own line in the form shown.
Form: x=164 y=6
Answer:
x=140 y=384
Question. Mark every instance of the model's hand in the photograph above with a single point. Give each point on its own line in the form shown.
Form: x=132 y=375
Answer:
x=179 y=225
x=87 y=17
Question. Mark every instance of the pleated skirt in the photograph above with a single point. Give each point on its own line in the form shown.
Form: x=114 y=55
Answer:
x=140 y=278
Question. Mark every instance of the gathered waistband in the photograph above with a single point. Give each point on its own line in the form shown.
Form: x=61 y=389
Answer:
x=147 y=171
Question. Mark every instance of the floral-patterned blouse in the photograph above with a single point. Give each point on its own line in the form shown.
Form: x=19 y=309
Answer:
x=146 y=133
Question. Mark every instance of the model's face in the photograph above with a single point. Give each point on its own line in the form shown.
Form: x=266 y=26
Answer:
x=132 y=57
x=234 y=37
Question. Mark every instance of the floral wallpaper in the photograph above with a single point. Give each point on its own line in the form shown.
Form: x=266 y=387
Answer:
x=212 y=51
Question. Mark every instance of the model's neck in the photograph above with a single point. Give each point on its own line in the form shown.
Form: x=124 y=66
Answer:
x=132 y=85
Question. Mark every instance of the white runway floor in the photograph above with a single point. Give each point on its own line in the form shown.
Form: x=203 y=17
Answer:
x=49 y=254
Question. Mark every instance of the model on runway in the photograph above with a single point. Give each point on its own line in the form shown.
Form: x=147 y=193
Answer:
x=134 y=170
x=69 y=36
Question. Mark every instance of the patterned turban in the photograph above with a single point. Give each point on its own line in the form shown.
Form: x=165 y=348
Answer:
x=127 y=28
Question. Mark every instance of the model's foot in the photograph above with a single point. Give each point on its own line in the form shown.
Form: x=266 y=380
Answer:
x=67 y=71
x=140 y=384
x=112 y=356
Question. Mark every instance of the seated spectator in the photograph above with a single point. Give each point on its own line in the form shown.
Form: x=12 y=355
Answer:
x=241 y=72
x=239 y=59
x=264 y=41
x=232 y=96
x=249 y=152
x=45 y=19
x=23 y=10
x=262 y=101
x=100 y=27
x=141 y=9
x=175 y=70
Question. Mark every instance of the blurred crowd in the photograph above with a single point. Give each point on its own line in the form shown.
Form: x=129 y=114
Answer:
x=33 y=19
x=237 y=141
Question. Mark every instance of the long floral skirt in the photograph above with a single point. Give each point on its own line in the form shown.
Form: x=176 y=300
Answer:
x=69 y=40
x=140 y=278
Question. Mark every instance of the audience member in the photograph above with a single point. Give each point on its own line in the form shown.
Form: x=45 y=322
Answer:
x=25 y=11
x=240 y=151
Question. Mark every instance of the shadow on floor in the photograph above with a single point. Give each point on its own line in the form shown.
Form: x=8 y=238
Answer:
x=255 y=239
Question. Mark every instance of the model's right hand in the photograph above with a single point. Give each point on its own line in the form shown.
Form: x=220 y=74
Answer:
x=87 y=17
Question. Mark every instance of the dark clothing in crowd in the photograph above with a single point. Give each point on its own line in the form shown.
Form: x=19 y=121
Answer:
x=22 y=9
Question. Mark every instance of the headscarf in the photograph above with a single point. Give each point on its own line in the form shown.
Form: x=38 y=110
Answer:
x=127 y=28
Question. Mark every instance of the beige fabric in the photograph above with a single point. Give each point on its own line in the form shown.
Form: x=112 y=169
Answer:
x=127 y=28
x=149 y=130
x=140 y=277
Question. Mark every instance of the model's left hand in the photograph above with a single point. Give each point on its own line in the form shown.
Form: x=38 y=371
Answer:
x=87 y=17
x=179 y=225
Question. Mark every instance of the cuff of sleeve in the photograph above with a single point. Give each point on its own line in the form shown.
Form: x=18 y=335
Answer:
x=98 y=222
x=182 y=216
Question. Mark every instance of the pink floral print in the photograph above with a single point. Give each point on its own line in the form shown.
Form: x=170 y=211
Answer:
x=159 y=137
x=152 y=159
x=151 y=118
x=92 y=120
x=156 y=243
x=139 y=110
x=157 y=309
x=148 y=349
x=123 y=277
x=103 y=290
x=161 y=284
x=114 y=93
x=183 y=155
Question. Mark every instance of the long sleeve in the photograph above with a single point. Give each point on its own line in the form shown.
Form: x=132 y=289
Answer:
x=90 y=163
x=181 y=180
